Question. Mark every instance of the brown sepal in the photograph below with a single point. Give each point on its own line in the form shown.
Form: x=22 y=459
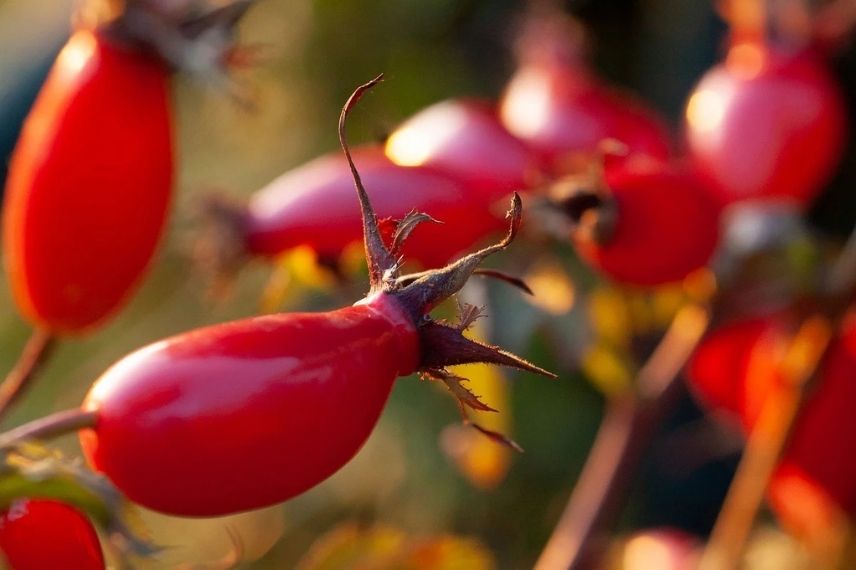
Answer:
x=455 y=385
x=442 y=345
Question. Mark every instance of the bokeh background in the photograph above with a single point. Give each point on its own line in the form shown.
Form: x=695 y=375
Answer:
x=406 y=479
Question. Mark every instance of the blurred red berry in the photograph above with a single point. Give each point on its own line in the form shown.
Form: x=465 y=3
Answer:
x=766 y=123
x=652 y=224
x=464 y=138
x=89 y=184
x=314 y=205
x=40 y=534
x=557 y=105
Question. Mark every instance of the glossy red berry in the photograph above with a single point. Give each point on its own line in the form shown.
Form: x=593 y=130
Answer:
x=89 y=184
x=558 y=106
x=766 y=123
x=314 y=205
x=651 y=224
x=464 y=138
x=238 y=416
x=38 y=534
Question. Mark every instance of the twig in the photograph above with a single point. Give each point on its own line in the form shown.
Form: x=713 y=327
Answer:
x=765 y=445
x=35 y=353
x=778 y=415
x=53 y=425
x=842 y=276
x=747 y=19
x=579 y=538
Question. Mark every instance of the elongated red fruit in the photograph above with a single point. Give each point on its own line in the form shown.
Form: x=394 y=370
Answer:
x=38 y=534
x=89 y=184
x=236 y=416
x=766 y=123
x=557 y=105
x=314 y=205
x=464 y=138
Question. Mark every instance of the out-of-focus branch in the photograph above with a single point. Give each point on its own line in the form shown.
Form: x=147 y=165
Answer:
x=579 y=539
x=765 y=445
x=33 y=356
x=778 y=416
x=747 y=19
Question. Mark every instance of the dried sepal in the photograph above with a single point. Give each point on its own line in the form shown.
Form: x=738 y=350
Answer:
x=442 y=345
x=495 y=436
x=405 y=227
x=467 y=315
x=454 y=383
x=505 y=278
x=432 y=287
x=382 y=264
x=197 y=37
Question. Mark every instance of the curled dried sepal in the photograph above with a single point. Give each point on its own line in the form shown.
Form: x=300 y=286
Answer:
x=382 y=264
x=30 y=470
x=506 y=278
x=405 y=226
x=432 y=287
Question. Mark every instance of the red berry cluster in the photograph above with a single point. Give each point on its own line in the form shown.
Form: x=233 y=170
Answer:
x=274 y=405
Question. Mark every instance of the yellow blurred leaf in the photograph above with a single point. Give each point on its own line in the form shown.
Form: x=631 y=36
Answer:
x=353 y=259
x=351 y=547
x=665 y=303
x=305 y=268
x=292 y=273
x=641 y=315
x=608 y=369
x=771 y=548
x=610 y=316
x=552 y=288
x=449 y=553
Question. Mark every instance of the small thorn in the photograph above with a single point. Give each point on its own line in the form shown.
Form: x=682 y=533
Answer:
x=406 y=226
x=464 y=395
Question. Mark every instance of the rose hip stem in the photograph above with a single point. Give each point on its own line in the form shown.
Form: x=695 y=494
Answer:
x=579 y=540
x=36 y=351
